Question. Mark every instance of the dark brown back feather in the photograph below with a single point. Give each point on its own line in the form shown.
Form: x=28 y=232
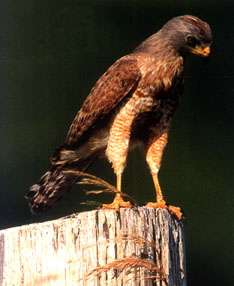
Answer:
x=110 y=89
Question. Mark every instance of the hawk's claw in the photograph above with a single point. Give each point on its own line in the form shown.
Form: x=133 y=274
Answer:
x=174 y=210
x=117 y=203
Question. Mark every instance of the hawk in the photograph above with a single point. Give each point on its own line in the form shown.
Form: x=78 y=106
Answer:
x=132 y=103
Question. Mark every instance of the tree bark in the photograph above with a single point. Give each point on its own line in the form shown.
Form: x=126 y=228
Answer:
x=141 y=246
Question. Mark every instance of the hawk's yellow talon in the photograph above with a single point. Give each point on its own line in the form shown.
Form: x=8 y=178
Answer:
x=117 y=203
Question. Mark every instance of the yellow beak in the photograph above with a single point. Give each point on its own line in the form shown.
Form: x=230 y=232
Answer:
x=202 y=51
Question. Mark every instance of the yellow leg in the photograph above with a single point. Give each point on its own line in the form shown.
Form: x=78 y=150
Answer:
x=119 y=182
x=160 y=202
x=159 y=195
x=118 y=200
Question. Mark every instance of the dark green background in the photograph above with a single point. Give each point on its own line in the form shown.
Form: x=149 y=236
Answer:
x=51 y=54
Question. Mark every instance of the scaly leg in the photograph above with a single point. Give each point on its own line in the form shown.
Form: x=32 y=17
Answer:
x=160 y=202
x=159 y=195
x=118 y=200
x=154 y=151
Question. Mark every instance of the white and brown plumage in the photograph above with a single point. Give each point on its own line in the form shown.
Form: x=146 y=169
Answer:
x=133 y=102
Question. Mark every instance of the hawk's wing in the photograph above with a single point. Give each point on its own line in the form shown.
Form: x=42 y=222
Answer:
x=117 y=82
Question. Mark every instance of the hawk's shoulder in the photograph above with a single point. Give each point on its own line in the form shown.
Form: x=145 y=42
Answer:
x=114 y=85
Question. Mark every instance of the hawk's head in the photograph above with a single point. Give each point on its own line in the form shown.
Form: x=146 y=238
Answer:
x=188 y=34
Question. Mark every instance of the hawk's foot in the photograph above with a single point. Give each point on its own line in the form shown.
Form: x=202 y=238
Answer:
x=117 y=203
x=162 y=204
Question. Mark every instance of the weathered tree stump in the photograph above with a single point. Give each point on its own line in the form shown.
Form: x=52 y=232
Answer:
x=141 y=246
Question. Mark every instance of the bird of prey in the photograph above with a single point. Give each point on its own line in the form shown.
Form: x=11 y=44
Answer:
x=132 y=103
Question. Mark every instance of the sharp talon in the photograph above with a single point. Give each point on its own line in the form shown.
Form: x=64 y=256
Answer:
x=118 y=203
x=161 y=204
x=174 y=210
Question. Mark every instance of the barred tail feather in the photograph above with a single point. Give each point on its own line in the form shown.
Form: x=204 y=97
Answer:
x=50 y=189
x=55 y=184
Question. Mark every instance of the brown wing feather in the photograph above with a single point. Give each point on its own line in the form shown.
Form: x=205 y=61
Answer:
x=109 y=90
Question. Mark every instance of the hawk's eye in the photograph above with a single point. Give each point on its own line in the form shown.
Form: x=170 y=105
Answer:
x=191 y=41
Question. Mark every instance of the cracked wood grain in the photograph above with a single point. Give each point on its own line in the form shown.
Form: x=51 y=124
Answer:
x=141 y=246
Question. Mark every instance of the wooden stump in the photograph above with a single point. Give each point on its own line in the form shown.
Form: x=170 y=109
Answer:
x=101 y=247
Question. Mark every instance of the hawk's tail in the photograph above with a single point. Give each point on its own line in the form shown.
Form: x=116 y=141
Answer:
x=53 y=186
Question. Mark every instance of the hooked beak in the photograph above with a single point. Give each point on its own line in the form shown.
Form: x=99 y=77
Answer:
x=201 y=51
